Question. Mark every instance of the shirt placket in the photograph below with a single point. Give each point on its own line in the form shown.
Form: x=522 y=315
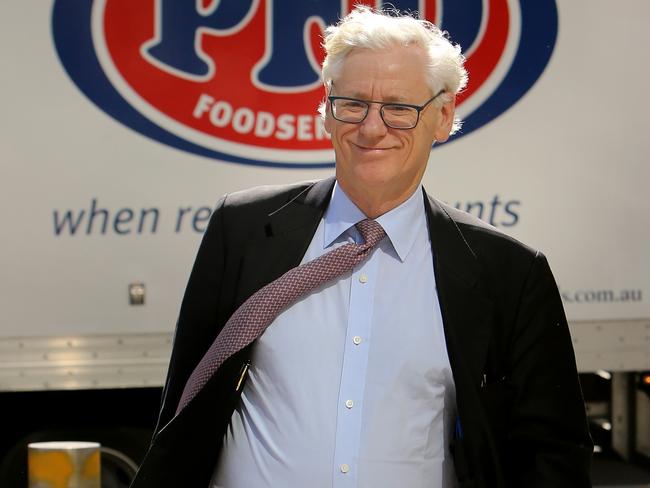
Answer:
x=354 y=374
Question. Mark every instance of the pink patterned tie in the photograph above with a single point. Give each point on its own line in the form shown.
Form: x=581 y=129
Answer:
x=256 y=314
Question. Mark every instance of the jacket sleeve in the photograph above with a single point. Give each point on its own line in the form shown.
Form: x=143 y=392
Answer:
x=197 y=324
x=548 y=439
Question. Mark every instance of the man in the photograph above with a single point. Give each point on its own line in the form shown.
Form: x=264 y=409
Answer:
x=439 y=357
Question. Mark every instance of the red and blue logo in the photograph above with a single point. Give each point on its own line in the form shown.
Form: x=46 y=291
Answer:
x=238 y=80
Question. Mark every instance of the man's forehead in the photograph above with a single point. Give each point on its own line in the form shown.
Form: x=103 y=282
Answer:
x=397 y=73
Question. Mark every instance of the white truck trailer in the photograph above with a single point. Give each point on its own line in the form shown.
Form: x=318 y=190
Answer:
x=122 y=123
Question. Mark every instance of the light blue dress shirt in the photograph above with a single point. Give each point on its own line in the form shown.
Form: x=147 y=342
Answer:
x=351 y=386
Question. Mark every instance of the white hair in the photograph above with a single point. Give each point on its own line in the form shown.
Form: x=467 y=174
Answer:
x=366 y=28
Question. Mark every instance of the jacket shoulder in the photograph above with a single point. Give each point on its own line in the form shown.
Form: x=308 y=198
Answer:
x=246 y=214
x=267 y=198
x=485 y=241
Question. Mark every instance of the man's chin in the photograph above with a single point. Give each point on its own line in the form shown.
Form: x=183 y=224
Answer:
x=372 y=175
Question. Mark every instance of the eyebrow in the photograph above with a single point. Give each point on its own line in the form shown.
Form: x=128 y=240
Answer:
x=362 y=96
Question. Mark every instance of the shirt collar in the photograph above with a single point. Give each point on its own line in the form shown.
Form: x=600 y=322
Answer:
x=401 y=224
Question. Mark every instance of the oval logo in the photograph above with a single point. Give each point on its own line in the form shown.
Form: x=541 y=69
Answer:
x=238 y=80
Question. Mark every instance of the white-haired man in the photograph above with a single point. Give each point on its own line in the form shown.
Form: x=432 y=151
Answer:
x=412 y=345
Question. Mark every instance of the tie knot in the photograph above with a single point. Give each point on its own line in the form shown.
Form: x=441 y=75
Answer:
x=371 y=231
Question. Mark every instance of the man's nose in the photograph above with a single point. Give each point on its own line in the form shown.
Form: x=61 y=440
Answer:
x=373 y=125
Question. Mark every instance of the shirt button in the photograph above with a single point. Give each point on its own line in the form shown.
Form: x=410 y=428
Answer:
x=356 y=340
x=349 y=403
x=363 y=278
x=345 y=468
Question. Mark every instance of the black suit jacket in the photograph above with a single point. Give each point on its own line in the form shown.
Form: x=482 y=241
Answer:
x=521 y=415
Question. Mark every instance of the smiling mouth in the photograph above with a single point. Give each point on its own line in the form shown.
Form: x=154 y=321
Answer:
x=365 y=148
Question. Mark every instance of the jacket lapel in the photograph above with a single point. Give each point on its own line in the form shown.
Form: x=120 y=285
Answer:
x=286 y=236
x=466 y=307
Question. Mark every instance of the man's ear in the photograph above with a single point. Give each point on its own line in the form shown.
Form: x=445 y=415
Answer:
x=327 y=122
x=446 y=120
x=327 y=119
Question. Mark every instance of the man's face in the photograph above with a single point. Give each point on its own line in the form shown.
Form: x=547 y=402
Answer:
x=372 y=158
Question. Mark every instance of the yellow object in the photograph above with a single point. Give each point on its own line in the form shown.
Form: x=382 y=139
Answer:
x=91 y=466
x=64 y=465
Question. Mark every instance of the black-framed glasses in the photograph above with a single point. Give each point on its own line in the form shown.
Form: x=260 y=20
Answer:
x=395 y=115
